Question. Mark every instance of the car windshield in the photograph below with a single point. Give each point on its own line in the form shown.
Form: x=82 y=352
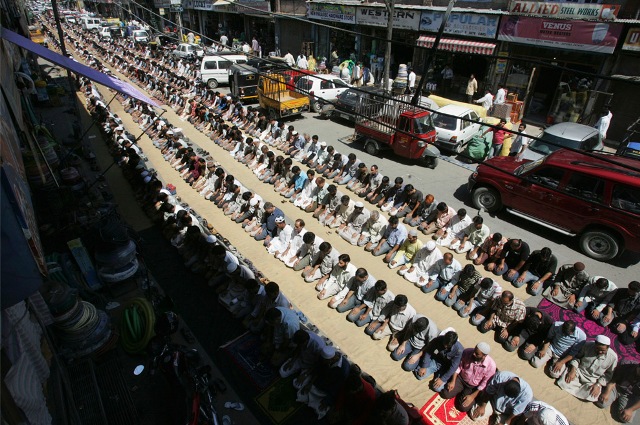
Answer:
x=444 y=122
x=423 y=125
x=551 y=143
x=528 y=166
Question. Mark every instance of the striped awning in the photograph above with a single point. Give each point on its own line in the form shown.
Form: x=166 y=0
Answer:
x=463 y=46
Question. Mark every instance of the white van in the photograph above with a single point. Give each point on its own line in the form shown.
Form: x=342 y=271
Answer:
x=215 y=69
x=91 y=24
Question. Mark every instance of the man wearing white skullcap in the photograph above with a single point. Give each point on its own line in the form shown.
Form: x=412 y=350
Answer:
x=541 y=413
x=321 y=391
x=475 y=370
x=591 y=369
x=281 y=240
x=417 y=271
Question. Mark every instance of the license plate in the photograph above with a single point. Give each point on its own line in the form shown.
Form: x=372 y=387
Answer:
x=346 y=116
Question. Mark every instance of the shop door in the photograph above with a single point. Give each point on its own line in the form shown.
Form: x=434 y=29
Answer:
x=539 y=99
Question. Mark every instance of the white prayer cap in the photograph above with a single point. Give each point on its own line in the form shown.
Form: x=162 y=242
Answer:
x=279 y=219
x=211 y=239
x=604 y=340
x=431 y=245
x=358 y=205
x=413 y=232
x=323 y=143
x=484 y=347
x=253 y=202
x=170 y=132
x=231 y=267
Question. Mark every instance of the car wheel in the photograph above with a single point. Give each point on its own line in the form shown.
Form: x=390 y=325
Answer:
x=317 y=106
x=212 y=84
x=371 y=148
x=599 y=244
x=487 y=198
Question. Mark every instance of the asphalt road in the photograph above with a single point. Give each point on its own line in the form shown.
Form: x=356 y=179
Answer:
x=448 y=183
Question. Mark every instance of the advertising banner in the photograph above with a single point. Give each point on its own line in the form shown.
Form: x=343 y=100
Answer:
x=466 y=24
x=600 y=37
x=332 y=12
x=594 y=12
x=377 y=17
x=632 y=42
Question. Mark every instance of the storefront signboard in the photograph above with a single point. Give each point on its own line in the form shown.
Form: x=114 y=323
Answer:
x=332 y=12
x=377 y=16
x=596 y=12
x=466 y=24
x=600 y=37
x=632 y=42
x=203 y=5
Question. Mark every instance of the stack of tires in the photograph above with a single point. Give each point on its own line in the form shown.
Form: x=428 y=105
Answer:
x=82 y=329
x=116 y=254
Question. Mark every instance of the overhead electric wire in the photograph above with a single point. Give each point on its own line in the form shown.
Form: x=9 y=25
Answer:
x=384 y=96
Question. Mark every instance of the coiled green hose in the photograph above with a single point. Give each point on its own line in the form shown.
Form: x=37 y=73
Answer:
x=136 y=326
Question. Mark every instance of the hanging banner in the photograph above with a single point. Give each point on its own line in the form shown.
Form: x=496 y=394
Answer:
x=377 y=17
x=332 y=12
x=466 y=24
x=632 y=42
x=596 y=12
x=597 y=37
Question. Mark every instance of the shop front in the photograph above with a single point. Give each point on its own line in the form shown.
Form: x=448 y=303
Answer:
x=336 y=36
x=465 y=48
x=550 y=65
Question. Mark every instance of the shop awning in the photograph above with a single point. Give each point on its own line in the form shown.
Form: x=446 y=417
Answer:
x=78 y=68
x=463 y=46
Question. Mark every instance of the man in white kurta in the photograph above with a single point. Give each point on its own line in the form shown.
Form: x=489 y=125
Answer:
x=372 y=230
x=590 y=371
x=295 y=242
x=283 y=236
x=418 y=270
x=454 y=229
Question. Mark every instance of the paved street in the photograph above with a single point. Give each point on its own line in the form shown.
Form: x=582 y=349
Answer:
x=448 y=183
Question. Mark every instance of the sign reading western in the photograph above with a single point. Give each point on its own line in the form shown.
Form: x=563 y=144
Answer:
x=377 y=17
x=467 y=24
x=332 y=12
x=596 y=12
x=600 y=37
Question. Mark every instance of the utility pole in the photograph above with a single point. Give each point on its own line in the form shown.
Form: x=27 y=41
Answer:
x=389 y=4
x=431 y=55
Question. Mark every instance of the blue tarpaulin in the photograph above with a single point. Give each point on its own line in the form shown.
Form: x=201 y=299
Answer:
x=78 y=68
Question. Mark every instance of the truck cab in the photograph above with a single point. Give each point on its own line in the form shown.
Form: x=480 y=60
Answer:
x=396 y=125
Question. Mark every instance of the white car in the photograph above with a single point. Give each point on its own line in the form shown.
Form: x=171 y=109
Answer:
x=187 y=50
x=564 y=135
x=321 y=89
x=455 y=125
x=140 y=36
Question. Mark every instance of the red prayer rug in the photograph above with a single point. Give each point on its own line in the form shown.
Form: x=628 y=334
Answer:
x=438 y=411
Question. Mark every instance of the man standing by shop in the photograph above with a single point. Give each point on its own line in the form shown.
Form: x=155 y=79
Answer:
x=411 y=81
x=447 y=80
x=472 y=88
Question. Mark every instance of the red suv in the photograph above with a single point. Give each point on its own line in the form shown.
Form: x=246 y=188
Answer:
x=595 y=197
